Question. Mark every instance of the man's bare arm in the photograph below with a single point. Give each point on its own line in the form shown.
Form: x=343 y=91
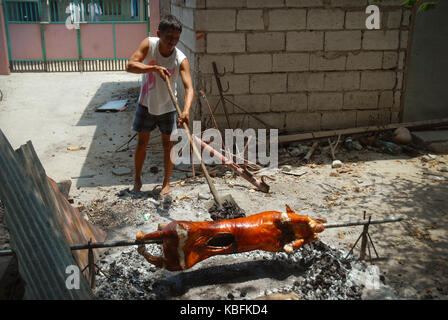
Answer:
x=185 y=75
x=135 y=64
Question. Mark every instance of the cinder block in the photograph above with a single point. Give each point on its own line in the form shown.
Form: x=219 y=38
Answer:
x=287 y=19
x=386 y=100
x=265 y=3
x=226 y=42
x=305 y=81
x=378 y=80
x=321 y=19
x=404 y=39
x=399 y=80
x=391 y=3
x=223 y=63
x=188 y=37
x=289 y=102
x=250 y=20
x=327 y=62
x=290 y=62
x=325 y=101
x=407 y=17
x=381 y=40
x=304 y=3
x=187 y=18
x=303 y=122
x=265 y=41
x=213 y=100
x=355 y=20
x=342 y=40
x=225 y=4
x=305 y=41
x=341 y=81
x=401 y=60
x=253 y=63
x=238 y=84
x=365 y=60
x=275 y=119
x=195 y=3
x=390 y=60
x=394 y=19
x=372 y=117
x=215 y=20
x=349 y=3
x=268 y=83
x=252 y=103
x=397 y=101
x=338 y=120
x=360 y=100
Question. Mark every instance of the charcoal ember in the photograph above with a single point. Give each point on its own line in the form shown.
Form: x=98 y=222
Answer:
x=229 y=210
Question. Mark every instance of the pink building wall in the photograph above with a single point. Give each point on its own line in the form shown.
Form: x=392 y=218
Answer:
x=97 y=41
x=4 y=59
x=154 y=18
x=61 y=43
x=25 y=41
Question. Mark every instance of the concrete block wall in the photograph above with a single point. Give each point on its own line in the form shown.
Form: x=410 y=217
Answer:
x=301 y=65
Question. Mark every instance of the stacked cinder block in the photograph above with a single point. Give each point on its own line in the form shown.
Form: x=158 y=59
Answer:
x=300 y=65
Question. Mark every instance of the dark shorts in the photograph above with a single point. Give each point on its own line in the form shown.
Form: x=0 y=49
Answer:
x=146 y=122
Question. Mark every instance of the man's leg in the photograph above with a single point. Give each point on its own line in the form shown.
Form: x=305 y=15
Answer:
x=139 y=158
x=168 y=165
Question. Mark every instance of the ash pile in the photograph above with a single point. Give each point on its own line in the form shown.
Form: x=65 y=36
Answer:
x=316 y=271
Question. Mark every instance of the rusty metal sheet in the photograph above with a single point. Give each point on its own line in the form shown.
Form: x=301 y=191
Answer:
x=36 y=235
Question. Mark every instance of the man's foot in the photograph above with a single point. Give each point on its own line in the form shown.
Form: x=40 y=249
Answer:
x=137 y=186
x=164 y=192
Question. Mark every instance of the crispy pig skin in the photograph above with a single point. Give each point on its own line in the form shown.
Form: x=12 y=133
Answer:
x=186 y=243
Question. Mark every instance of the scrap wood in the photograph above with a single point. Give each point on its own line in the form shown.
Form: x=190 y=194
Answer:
x=310 y=153
x=333 y=146
x=334 y=133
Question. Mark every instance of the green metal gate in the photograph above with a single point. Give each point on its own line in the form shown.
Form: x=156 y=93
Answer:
x=74 y=14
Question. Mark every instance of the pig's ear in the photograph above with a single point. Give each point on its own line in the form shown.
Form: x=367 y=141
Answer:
x=288 y=209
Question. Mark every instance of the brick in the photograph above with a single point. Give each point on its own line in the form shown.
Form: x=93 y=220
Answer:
x=338 y=120
x=304 y=3
x=392 y=3
x=386 y=100
x=365 y=60
x=305 y=82
x=390 y=60
x=399 y=80
x=253 y=63
x=188 y=37
x=187 y=17
x=289 y=62
x=253 y=103
x=226 y=42
x=342 y=40
x=355 y=20
x=305 y=41
x=265 y=41
x=250 y=20
x=407 y=17
x=325 y=101
x=397 y=101
x=238 y=84
x=265 y=3
x=381 y=40
x=327 y=63
x=378 y=80
x=341 y=81
x=222 y=62
x=360 y=100
x=289 y=102
x=303 y=122
x=195 y=3
x=213 y=101
x=394 y=19
x=225 y=4
x=268 y=83
x=321 y=19
x=287 y=19
x=215 y=20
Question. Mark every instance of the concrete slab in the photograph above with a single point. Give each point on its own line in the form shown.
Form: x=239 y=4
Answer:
x=431 y=136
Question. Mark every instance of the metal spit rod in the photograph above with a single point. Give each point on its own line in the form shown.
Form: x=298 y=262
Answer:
x=127 y=243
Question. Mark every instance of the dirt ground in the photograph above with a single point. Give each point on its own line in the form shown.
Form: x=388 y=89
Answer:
x=57 y=111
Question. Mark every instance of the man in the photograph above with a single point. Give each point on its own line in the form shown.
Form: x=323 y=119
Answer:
x=158 y=60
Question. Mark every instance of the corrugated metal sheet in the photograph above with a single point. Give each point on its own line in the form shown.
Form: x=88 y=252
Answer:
x=35 y=233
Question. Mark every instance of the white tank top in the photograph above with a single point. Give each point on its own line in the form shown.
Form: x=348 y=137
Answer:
x=153 y=91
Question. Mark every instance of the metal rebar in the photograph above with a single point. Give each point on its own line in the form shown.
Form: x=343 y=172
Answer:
x=361 y=222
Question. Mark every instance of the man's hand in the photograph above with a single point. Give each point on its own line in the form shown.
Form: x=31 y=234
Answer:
x=163 y=73
x=184 y=118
